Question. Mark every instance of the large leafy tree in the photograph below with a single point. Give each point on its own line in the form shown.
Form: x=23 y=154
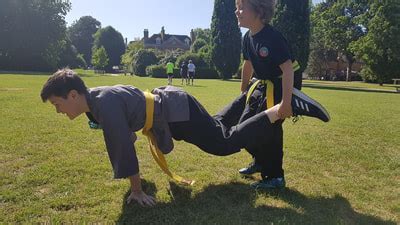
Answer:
x=225 y=38
x=130 y=53
x=340 y=27
x=320 y=55
x=204 y=34
x=32 y=33
x=142 y=59
x=292 y=18
x=70 y=57
x=380 y=47
x=197 y=45
x=81 y=35
x=113 y=42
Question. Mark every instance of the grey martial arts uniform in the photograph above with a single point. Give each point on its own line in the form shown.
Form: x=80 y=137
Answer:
x=121 y=111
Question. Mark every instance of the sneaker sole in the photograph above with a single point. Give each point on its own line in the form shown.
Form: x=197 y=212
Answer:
x=305 y=97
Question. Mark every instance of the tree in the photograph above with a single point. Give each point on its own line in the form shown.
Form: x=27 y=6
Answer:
x=320 y=55
x=100 y=58
x=197 y=45
x=340 y=28
x=143 y=59
x=204 y=34
x=32 y=34
x=113 y=42
x=129 y=55
x=380 y=47
x=81 y=35
x=225 y=38
x=292 y=19
x=70 y=57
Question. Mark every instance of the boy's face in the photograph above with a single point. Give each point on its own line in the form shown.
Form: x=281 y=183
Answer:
x=68 y=106
x=245 y=15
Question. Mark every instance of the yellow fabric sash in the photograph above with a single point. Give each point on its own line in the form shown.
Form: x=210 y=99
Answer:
x=270 y=88
x=155 y=151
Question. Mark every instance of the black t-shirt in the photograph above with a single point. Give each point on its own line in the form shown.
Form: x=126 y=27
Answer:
x=184 y=68
x=266 y=50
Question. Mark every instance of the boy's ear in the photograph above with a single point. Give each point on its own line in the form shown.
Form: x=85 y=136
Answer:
x=73 y=94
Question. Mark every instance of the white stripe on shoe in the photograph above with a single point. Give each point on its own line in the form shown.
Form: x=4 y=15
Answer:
x=303 y=96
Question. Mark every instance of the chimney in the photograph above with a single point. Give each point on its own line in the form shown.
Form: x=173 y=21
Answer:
x=146 y=34
x=126 y=42
x=162 y=33
x=192 y=36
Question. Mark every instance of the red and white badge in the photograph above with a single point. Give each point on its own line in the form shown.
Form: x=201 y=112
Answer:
x=263 y=52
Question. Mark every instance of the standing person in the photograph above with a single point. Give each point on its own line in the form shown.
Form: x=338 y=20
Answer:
x=170 y=72
x=266 y=55
x=163 y=114
x=184 y=72
x=191 y=71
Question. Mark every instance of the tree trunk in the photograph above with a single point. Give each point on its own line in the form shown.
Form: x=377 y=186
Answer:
x=348 y=72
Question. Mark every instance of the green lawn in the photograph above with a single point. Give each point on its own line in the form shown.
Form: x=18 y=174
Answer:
x=343 y=172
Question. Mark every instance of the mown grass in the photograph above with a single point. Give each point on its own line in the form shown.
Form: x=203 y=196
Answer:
x=343 y=172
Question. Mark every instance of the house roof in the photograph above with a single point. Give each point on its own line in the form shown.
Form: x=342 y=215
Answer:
x=153 y=38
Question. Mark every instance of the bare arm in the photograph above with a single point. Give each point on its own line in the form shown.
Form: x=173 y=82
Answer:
x=285 y=110
x=247 y=72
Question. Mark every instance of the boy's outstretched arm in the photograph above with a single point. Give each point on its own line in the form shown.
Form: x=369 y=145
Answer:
x=137 y=193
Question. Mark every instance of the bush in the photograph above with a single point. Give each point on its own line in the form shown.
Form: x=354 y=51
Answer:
x=206 y=73
x=167 y=58
x=159 y=71
x=143 y=59
x=198 y=61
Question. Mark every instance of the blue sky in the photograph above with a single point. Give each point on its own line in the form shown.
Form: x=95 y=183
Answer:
x=131 y=17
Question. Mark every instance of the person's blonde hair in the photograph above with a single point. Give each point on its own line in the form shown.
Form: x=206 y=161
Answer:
x=265 y=9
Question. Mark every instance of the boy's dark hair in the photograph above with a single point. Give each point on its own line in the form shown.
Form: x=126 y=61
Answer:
x=61 y=83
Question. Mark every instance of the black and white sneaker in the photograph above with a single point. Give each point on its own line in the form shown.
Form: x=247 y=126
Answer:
x=304 y=105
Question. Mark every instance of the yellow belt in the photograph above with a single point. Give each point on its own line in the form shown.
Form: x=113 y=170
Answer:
x=270 y=88
x=155 y=151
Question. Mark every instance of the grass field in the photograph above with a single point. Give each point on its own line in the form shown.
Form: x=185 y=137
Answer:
x=347 y=171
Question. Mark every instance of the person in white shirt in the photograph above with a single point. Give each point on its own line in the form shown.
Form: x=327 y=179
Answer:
x=191 y=71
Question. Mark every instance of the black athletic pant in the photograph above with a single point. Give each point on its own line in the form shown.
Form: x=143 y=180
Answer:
x=212 y=136
x=269 y=155
x=267 y=151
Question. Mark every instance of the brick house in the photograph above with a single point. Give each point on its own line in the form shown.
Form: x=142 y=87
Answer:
x=165 y=41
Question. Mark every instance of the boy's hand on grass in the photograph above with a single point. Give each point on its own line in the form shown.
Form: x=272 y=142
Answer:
x=142 y=198
x=285 y=111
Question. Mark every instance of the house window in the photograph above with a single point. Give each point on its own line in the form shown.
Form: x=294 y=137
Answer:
x=187 y=41
x=158 y=41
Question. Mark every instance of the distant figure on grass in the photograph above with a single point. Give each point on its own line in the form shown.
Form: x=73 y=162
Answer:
x=163 y=114
x=184 y=72
x=191 y=71
x=170 y=72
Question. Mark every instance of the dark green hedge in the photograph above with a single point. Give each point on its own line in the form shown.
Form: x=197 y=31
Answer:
x=159 y=71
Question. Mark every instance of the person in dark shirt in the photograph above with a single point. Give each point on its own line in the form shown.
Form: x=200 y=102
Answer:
x=268 y=59
x=122 y=110
x=184 y=72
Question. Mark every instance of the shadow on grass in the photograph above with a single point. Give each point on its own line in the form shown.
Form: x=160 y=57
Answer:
x=343 y=88
x=235 y=203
